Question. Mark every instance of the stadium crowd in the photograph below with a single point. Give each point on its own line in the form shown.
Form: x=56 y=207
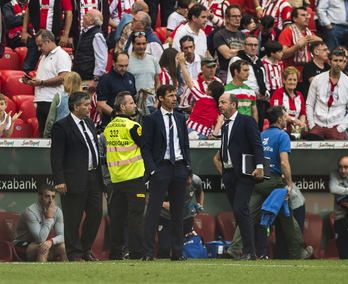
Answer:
x=211 y=67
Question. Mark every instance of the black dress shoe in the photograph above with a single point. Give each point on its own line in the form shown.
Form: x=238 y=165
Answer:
x=147 y=258
x=180 y=258
x=90 y=258
x=247 y=256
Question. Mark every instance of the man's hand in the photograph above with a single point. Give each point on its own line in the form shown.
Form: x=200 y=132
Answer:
x=61 y=188
x=50 y=210
x=63 y=40
x=24 y=37
x=45 y=246
x=92 y=85
x=303 y=41
x=257 y=174
x=259 y=13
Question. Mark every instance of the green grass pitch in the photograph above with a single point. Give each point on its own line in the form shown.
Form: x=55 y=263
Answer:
x=164 y=271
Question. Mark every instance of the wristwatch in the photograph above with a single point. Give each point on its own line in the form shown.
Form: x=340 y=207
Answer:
x=293 y=119
x=96 y=79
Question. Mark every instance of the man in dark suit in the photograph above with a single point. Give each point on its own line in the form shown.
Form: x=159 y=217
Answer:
x=166 y=154
x=240 y=135
x=77 y=175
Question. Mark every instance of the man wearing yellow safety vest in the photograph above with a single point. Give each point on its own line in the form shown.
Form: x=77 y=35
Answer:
x=126 y=169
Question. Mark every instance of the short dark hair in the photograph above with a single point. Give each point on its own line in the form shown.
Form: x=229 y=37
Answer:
x=117 y=54
x=46 y=186
x=294 y=13
x=76 y=99
x=185 y=39
x=273 y=113
x=338 y=51
x=120 y=99
x=267 y=21
x=250 y=36
x=195 y=10
x=161 y=91
x=237 y=65
x=217 y=90
x=316 y=44
x=246 y=20
x=228 y=9
x=273 y=47
x=184 y=3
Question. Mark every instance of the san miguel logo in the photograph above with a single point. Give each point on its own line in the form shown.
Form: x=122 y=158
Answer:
x=326 y=145
x=304 y=145
x=206 y=144
x=7 y=143
x=30 y=143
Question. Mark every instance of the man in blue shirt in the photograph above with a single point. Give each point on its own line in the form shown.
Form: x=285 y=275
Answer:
x=117 y=80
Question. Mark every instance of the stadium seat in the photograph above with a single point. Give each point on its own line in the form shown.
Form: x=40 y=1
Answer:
x=205 y=225
x=227 y=225
x=34 y=126
x=10 y=61
x=29 y=110
x=156 y=34
x=330 y=252
x=8 y=227
x=19 y=99
x=311 y=22
x=12 y=85
x=98 y=247
x=265 y=124
x=11 y=106
x=21 y=130
x=4 y=74
x=22 y=53
x=161 y=31
x=312 y=232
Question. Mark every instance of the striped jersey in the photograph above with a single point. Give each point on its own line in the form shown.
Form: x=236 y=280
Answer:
x=245 y=95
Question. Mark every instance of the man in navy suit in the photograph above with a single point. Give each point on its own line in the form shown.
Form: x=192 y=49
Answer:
x=77 y=175
x=166 y=154
x=240 y=135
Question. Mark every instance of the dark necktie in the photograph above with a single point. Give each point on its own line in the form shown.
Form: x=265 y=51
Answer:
x=225 y=141
x=94 y=157
x=171 y=139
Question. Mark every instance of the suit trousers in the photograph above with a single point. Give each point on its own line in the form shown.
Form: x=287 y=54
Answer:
x=73 y=206
x=239 y=195
x=127 y=203
x=172 y=179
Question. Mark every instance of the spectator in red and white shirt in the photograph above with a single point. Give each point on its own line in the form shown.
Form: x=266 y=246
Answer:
x=205 y=114
x=273 y=65
x=280 y=10
x=208 y=67
x=168 y=63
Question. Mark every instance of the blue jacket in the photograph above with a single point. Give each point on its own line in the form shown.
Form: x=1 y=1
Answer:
x=272 y=205
x=150 y=37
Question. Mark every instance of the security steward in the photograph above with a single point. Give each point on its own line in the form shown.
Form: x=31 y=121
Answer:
x=126 y=167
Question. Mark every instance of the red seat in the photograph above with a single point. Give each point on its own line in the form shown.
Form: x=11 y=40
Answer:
x=311 y=22
x=330 y=252
x=227 y=225
x=8 y=227
x=205 y=225
x=162 y=33
x=19 y=99
x=21 y=130
x=109 y=62
x=11 y=83
x=10 y=61
x=22 y=53
x=11 y=106
x=312 y=232
x=98 y=246
x=29 y=110
x=265 y=124
x=34 y=126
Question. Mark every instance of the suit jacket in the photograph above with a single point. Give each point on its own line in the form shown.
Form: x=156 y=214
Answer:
x=154 y=142
x=69 y=154
x=244 y=139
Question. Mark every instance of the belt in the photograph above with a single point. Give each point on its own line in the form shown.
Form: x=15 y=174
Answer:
x=175 y=163
x=340 y=25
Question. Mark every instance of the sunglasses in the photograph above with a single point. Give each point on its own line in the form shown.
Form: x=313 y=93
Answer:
x=138 y=34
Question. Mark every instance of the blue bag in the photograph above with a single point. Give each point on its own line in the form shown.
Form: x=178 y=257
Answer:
x=194 y=247
x=217 y=248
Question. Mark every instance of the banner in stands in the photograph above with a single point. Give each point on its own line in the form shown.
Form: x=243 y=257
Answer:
x=23 y=183
x=211 y=183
